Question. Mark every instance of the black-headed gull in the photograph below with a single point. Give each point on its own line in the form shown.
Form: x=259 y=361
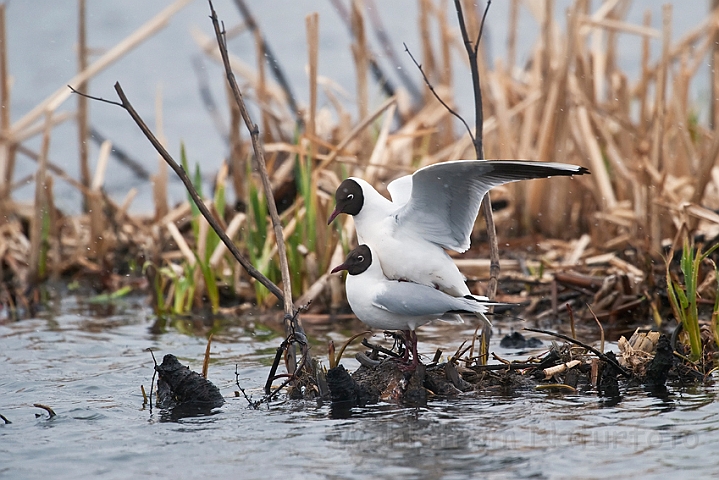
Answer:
x=395 y=305
x=431 y=210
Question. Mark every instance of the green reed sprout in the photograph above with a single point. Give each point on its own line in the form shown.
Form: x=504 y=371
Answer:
x=683 y=299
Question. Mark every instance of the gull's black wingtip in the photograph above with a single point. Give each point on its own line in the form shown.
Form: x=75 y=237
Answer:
x=583 y=171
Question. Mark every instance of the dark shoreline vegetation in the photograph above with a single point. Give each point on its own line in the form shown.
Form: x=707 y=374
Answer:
x=626 y=251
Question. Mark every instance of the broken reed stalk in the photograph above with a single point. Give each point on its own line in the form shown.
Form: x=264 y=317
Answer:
x=312 y=26
x=249 y=268
x=660 y=110
x=596 y=352
x=714 y=75
x=206 y=359
x=95 y=205
x=472 y=53
x=159 y=180
x=82 y=118
x=40 y=211
x=360 y=53
x=291 y=323
x=7 y=149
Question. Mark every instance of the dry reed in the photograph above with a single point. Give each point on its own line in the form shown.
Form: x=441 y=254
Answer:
x=653 y=163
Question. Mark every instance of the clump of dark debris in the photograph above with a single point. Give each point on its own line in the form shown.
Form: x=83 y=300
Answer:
x=572 y=367
x=178 y=387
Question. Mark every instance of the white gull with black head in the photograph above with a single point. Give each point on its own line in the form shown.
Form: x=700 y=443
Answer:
x=432 y=210
x=394 y=305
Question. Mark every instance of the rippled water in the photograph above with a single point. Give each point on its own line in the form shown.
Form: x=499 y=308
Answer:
x=88 y=366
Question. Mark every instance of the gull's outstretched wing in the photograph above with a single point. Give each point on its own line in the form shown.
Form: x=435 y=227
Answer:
x=445 y=197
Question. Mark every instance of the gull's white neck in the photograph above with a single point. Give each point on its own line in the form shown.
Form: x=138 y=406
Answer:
x=374 y=209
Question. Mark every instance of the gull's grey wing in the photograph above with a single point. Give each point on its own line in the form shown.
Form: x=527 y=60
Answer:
x=445 y=197
x=415 y=300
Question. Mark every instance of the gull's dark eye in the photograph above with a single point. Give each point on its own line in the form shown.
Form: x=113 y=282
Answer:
x=350 y=196
x=360 y=258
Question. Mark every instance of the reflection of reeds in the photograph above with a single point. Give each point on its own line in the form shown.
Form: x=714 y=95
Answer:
x=652 y=161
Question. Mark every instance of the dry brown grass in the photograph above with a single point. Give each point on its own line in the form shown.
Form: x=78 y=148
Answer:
x=653 y=164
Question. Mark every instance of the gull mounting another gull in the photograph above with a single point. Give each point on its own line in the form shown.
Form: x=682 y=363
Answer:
x=431 y=210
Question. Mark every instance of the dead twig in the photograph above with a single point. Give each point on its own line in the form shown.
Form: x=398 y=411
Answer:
x=206 y=360
x=596 y=352
x=601 y=329
x=251 y=270
x=436 y=95
x=46 y=408
x=255 y=404
x=472 y=54
x=379 y=348
x=260 y=157
x=154 y=373
x=571 y=319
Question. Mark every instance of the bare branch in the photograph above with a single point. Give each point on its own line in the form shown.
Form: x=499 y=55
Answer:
x=436 y=95
x=481 y=26
x=479 y=145
x=252 y=271
x=262 y=167
x=99 y=99
x=473 y=66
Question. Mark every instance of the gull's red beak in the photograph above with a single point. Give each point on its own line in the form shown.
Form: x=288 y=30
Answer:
x=339 y=268
x=336 y=212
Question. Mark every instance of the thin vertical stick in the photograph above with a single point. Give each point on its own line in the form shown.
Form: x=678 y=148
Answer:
x=445 y=42
x=660 y=109
x=40 y=203
x=237 y=153
x=53 y=250
x=206 y=360
x=659 y=114
x=260 y=157
x=472 y=50
x=359 y=50
x=714 y=106
x=262 y=96
x=7 y=149
x=159 y=180
x=312 y=24
x=642 y=91
x=82 y=121
x=446 y=73
x=512 y=35
x=428 y=63
x=95 y=204
x=547 y=43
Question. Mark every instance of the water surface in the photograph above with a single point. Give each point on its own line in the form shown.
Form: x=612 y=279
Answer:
x=89 y=365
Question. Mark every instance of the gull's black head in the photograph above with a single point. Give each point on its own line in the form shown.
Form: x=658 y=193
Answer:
x=348 y=199
x=357 y=261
